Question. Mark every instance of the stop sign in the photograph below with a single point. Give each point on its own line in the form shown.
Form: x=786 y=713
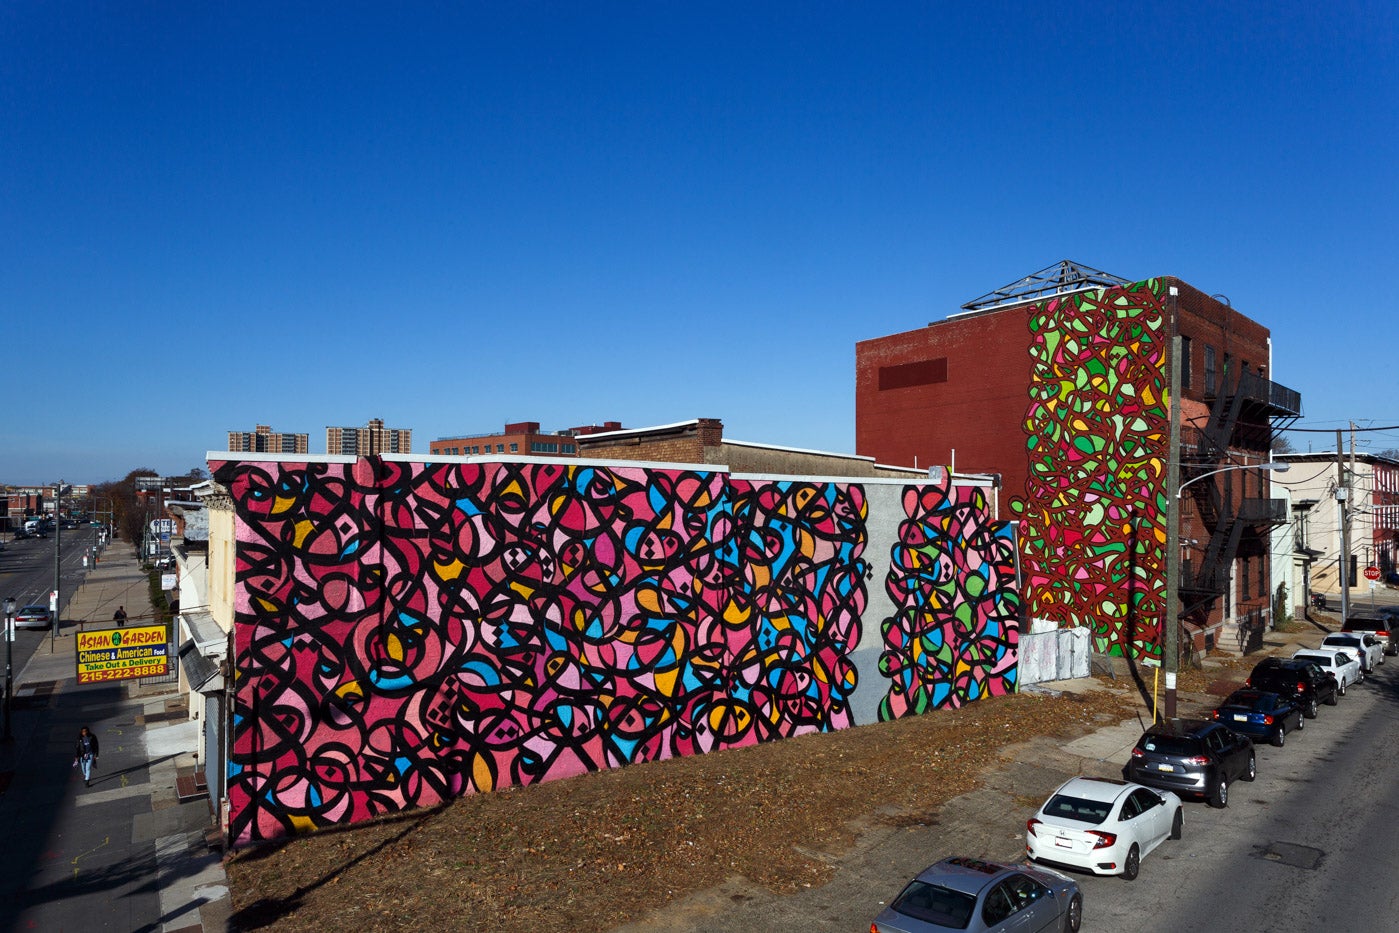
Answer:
x=1372 y=573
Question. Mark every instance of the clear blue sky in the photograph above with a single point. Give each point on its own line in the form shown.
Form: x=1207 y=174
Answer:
x=450 y=216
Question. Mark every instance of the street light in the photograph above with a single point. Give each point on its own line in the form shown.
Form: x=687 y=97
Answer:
x=9 y=661
x=58 y=493
x=1171 y=662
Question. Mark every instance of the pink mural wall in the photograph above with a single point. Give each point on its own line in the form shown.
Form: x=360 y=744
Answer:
x=409 y=632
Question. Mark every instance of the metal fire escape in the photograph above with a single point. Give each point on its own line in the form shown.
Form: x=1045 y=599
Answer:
x=1245 y=412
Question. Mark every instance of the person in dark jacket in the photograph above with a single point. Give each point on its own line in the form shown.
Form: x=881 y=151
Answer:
x=85 y=754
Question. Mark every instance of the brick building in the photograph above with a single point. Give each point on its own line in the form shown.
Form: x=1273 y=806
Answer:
x=520 y=437
x=701 y=441
x=1060 y=384
x=262 y=440
x=369 y=440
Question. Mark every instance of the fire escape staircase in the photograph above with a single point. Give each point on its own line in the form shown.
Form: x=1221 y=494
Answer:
x=1263 y=401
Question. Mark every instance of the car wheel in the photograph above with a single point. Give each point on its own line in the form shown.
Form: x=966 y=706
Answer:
x=1341 y=688
x=1311 y=710
x=1178 y=825
x=1073 y=917
x=1280 y=737
x=1252 y=771
x=1334 y=698
x=1133 y=865
x=1219 y=797
x=1302 y=719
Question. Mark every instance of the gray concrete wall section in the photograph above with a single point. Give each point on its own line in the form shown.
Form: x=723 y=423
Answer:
x=885 y=502
x=125 y=852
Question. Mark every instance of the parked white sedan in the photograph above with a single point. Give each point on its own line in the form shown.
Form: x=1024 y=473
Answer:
x=1339 y=664
x=1360 y=645
x=1102 y=825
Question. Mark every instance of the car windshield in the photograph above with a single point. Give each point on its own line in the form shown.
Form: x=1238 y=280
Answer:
x=933 y=903
x=1076 y=808
x=1170 y=744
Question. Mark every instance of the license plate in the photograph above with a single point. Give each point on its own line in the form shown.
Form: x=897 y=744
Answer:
x=1063 y=843
x=1165 y=768
x=1240 y=717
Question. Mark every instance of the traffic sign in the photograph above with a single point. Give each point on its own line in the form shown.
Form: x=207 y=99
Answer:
x=1372 y=573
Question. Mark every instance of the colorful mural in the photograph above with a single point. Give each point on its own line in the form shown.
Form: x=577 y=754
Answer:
x=1097 y=421
x=952 y=579
x=410 y=632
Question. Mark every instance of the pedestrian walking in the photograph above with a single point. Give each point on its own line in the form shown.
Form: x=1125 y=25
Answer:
x=85 y=754
x=119 y=617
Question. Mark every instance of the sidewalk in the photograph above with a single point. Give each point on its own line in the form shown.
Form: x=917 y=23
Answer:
x=125 y=853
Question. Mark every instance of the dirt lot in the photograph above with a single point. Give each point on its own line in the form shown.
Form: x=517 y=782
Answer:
x=595 y=852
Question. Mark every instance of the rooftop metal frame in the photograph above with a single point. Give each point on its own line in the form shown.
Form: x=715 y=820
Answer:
x=1063 y=276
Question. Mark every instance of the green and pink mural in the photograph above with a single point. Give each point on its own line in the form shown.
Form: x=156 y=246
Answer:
x=1097 y=428
x=408 y=632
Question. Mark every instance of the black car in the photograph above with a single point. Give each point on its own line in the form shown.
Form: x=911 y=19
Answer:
x=1382 y=623
x=1193 y=758
x=1260 y=714
x=1299 y=680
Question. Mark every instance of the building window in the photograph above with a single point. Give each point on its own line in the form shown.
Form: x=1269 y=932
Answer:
x=568 y=448
x=1185 y=362
x=1244 y=579
x=1210 y=375
x=514 y=448
x=500 y=448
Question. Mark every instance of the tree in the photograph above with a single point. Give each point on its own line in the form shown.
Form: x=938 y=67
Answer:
x=1281 y=445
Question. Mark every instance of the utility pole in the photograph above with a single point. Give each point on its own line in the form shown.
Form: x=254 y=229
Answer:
x=1170 y=651
x=1343 y=519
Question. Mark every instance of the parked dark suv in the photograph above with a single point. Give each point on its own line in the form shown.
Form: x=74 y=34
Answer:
x=1192 y=757
x=1381 y=624
x=1301 y=681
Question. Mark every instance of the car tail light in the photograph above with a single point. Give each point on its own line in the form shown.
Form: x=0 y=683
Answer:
x=1301 y=686
x=1198 y=760
x=1215 y=714
x=1030 y=825
x=1138 y=753
x=1267 y=720
x=1104 y=839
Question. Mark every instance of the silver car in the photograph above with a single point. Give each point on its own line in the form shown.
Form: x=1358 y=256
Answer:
x=32 y=617
x=983 y=897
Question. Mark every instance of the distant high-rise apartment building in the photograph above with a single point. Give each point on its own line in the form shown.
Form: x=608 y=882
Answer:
x=371 y=439
x=264 y=441
x=521 y=437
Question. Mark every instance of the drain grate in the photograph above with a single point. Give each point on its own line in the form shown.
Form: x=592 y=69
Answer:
x=1289 y=853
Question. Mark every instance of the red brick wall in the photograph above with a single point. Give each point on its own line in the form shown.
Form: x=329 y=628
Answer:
x=979 y=410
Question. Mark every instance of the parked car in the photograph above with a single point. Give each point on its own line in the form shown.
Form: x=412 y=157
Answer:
x=1381 y=623
x=1261 y=714
x=32 y=617
x=1340 y=664
x=1103 y=826
x=1361 y=645
x=983 y=897
x=1195 y=757
x=1300 y=680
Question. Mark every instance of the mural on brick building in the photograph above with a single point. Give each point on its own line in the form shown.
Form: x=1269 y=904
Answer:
x=952 y=579
x=410 y=632
x=1098 y=430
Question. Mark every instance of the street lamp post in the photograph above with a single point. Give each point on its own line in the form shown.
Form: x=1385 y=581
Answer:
x=9 y=662
x=58 y=492
x=1171 y=661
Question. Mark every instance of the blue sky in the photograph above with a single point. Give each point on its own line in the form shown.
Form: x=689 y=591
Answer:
x=451 y=216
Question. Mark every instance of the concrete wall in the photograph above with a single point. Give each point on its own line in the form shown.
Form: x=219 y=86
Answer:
x=410 y=631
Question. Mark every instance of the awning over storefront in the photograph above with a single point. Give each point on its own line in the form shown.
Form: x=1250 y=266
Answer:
x=202 y=651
